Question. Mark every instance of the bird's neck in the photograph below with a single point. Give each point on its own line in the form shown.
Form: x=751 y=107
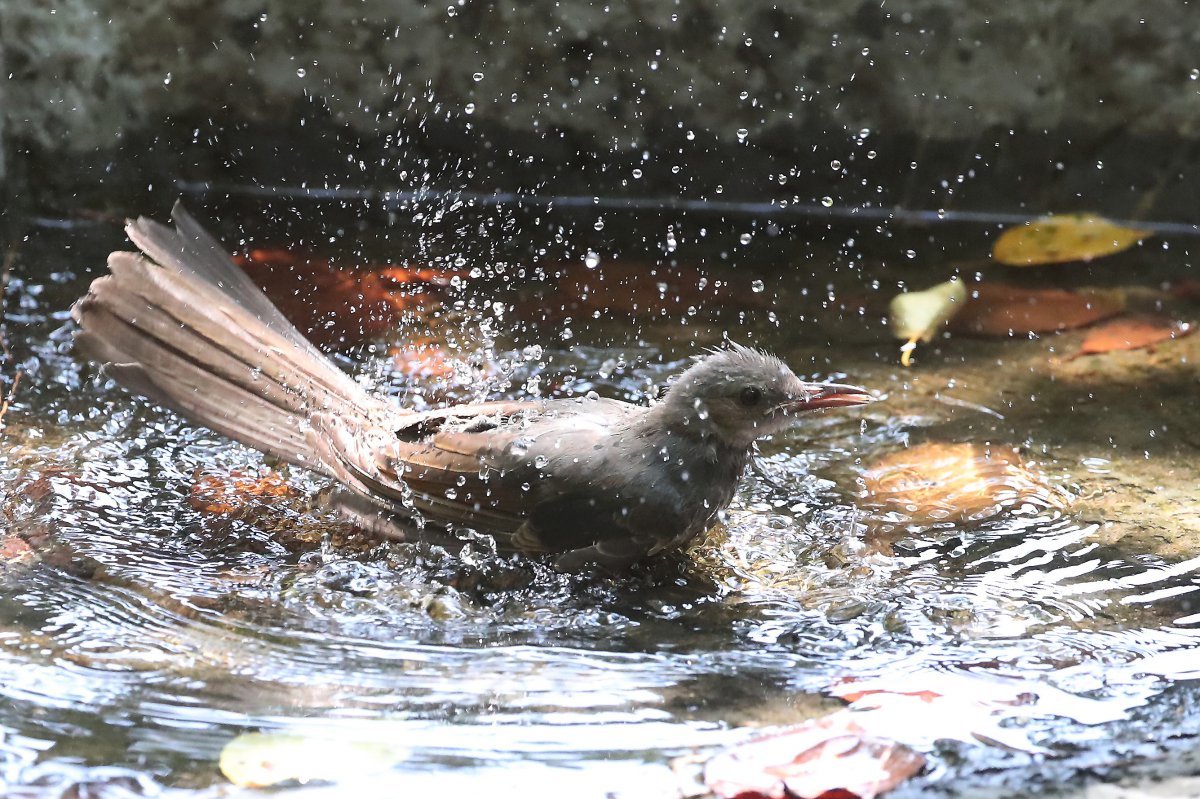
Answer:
x=685 y=428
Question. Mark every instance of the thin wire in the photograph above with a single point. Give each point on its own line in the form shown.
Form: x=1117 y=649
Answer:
x=403 y=200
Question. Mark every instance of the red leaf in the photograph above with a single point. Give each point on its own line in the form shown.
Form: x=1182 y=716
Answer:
x=830 y=757
x=13 y=548
x=1133 y=333
x=995 y=309
x=335 y=306
x=235 y=492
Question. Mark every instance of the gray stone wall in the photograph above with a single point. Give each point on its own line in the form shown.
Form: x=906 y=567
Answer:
x=1030 y=90
x=88 y=71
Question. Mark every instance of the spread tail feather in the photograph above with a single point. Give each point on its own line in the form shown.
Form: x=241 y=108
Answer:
x=186 y=327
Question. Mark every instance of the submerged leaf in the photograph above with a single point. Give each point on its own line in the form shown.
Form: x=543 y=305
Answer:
x=996 y=309
x=923 y=705
x=827 y=757
x=14 y=549
x=1060 y=238
x=258 y=760
x=343 y=307
x=936 y=482
x=235 y=492
x=916 y=315
x=1134 y=333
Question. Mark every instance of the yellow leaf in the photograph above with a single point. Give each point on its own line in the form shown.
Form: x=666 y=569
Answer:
x=918 y=314
x=1060 y=238
x=258 y=759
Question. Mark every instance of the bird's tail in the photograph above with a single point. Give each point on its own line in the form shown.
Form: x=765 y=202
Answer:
x=184 y=326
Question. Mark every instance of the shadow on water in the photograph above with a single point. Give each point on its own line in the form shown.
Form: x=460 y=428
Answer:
x=142 y=633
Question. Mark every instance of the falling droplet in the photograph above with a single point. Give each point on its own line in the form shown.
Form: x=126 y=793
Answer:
x=478 y=76
x=541 y=461
x=592 y=259
x=742 y=134
x=827 y=202
x=599 y=224
x=469 y=109
x=758 y=287
x=301 y=72
x=745 y=238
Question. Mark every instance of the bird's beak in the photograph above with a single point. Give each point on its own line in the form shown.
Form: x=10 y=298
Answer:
x=814 y=396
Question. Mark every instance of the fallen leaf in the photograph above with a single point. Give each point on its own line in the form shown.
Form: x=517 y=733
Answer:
x=14 y=549
x=1132 y=333
x=920 y=706
x=996 y=309
x=259 y=760
x=935 y=482
x=828 y=757
x=235 y=492
x=1060 y=238
x=917 y=315
x=626 y=288
x=425 y=362
x=1187 y=288
x=343 y=307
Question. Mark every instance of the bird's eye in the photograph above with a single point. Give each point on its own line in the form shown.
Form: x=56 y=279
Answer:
x=750 y=396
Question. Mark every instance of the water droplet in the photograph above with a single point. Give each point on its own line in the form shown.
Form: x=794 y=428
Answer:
x=827 y=202
x=910 y=254
x=871 y=154
x=1194 y=74
x=592 y=259
x=599 y=224
x=478 y=76
x=835 y=164
x=301 y=72
x=758 y=287
x=520 y=446
x=167 y=80
x=742 y=134
x=541 y=461
x=745 y=238
x=451 y=493
x=637 y=174
x=469 y=109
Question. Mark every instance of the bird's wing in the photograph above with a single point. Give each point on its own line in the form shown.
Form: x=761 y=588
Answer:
x=452 y=466
x=523 y=471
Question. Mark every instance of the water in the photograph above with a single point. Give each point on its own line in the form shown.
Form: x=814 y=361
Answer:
x=142 y=634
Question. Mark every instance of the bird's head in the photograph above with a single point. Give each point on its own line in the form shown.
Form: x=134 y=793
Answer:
x=740 y=395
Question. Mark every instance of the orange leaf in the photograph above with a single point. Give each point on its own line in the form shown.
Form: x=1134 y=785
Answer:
x=936 y=482
x=422 y=361
x=13 y=548
x=828 y=757
x=625 y=288
x=335 y=306
x=1133 y=333
x=1060 y=238
x=995 y=309
x=235 y=492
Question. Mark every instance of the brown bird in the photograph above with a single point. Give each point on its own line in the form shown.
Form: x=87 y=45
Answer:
x=590 y=480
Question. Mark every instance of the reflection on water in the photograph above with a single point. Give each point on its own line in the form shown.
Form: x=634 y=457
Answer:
x=146 y=633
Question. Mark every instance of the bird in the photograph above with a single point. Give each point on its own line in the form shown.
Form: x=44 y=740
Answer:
x=585 y=481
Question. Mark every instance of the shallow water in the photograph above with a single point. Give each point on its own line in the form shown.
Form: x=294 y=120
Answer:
x=143 y=634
